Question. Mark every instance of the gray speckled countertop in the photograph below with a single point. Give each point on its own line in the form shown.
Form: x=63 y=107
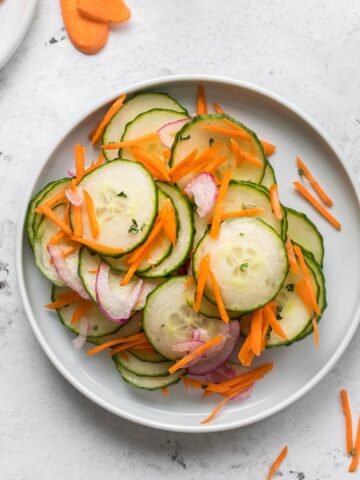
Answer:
x=305 y=51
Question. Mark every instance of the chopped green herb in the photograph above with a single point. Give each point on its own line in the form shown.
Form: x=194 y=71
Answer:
x=244 y=266
x=187 y=137
x=242 y=234
x=143 y=226
x=211 y=142
x=122 y=194
x=290 y=287
x=300 y=172
x=95 y=327
x=268 y=333
x=352 y=452
x=278 y=311
x=134 y=228
x=245 y=206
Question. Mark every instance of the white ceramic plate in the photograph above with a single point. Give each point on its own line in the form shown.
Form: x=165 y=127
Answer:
x=297 y=368
x=15 y=18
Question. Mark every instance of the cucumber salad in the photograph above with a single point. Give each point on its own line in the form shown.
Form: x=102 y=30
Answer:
x=173 y=253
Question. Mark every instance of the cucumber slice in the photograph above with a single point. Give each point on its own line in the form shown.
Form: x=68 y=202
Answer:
x=44 y=233
x=161 y=250
x=149 y=122
x=139 y=103
x=148 y=286
x=248 y=260
x=201 y=225
x=295 y=317
x=185 y=236
x=33 y=219
x=132 y=327
x=140 y=368
x=303 y=231
x=149 y=383
x=125 y=218
x=88 y=263
x=269 y=176
x=193 y=136
x=168 y=319
x=147 y=355
x=207 y=308
x=99 y=325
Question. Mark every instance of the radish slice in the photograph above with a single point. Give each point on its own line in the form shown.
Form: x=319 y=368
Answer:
x=76 y=196
x=167 y=132
x=212 y=363
x=115 y=301
x=71 y=172
x=80 y=340
x=67 y=268
x=204 y=190
x=229 y=371
x=148 y=286
x=187 y=347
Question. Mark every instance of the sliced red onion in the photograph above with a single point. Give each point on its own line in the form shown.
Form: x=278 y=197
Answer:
x=167 y=132
x=76 y=196
x=204 y=190
x=80 y=340
x=229 y=371
x=71 y=172
x=148 y=286
x=211 y=363
x=67 y=268
x=115 y=301
x=196 y=334
x=187 y=347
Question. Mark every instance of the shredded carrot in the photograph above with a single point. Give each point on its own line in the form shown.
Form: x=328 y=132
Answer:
x=197 y=164
x=307 y=279
x=166 y=154
x=275 y=202
x=79 y=151
x=165 y=391
x=113 y=110
x=273 y=322
x=217 y=108
x=105 y=250
x=215 y=226
x=169 y=219
x=130 y=143
x=275 y=466
x=89 y=204
x=78 y=221
x=126 y=346
x=264 y=333
x=189 y=281
x=244 y=379
x=217 y=409
x=348 y=420
x=68 y=298
x=242 y=156
x=193 y=382
x=256 y=331
x=291 y=256
x=269 y=148
x=68 y=251
x=355 y=460
x=201 y=108
x=59 y=237
x=93 y=270
x=52 y=201
x=45 y=210
x=112 y=343
x=67 y=214
x=219 y=300
x=80 y=311
x=317 y=205
x=315 y=185
x=201 y=282
x=316 y=332
x=184 y=163
x=100 y=160
x=302 y=291
x=196 y=353
x=248 y=212
x=150 y=160
x=245 y=355
x=214 y=164
x=231 y=132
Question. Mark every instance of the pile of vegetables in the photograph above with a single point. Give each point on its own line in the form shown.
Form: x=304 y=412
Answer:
x=173 y=252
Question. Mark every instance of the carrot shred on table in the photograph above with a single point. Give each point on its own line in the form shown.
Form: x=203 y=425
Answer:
x=113 y=110
x=68 y=251
x=317 y=205
x=218 y=297
x=307 y=279
x=218 y=209
x=314 y=183
x=184 y=163
x=275 y=202
x=269 y=148
x=130 y=143
x=273 y=322
x=256 y=331
x=80 y=311
x=201 y=105
x=217 y=108
x=196 y=353
x=165 y=391
x=45 y=210
x=169 y=219
x=348 y=420
x=230 y=132
x=355 y=461
x=104 y=346
x=98 y=246
x=275 y=466
x=59 y=237
x=294 y=267
x=90 y=208
x=201 y=282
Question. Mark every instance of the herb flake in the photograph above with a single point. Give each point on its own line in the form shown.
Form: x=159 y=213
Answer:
x=290 y=287
x=134 y=228
x=211 y=142
x=187 y=137
x=122 y=194
x=301 y=173
x=244 y=266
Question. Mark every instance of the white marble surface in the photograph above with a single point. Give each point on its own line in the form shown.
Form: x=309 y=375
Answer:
x=305 y=51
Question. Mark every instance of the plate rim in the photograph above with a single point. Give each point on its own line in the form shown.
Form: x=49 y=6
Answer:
x=23 y=29
x=156 y=83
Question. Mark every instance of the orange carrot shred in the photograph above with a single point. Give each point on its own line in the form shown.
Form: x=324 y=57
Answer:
x=214 y=164
x=307 y=279
x=291 y=256
x=316 y=332
x=317 y=205
x=98 y=246
x=125 y=346
x=169 y=219
x=348 y=420
x=242 y=156
x=45 y=210
x=150 y=160
x=245 y=354
x=68 y=298
x=113 y=110
x=275 y=202
x=80 y=311
x=201 y=108
x=302 y=291
x=184 y=163
x=269 y=148
x=217 y=108
x=202 y=277
x=231 y=132
x=196 y=164
x=78 y=222
x=166 y=154
x=355 y=460
x=196 y=353
x=89 y=204
x=165 y=391
x=248 y=212
x=275 y=466
x=256 y=331
x=315 y=185
x=216 y=410
x=79 y=161
x=189 y=281
x=130 y=143
x=219 y=300
x=59 y=237
x=52 y=201
x=215 y=226
x=93 y=270
x=68 y=251
x=112 y=343
x=273 y=322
